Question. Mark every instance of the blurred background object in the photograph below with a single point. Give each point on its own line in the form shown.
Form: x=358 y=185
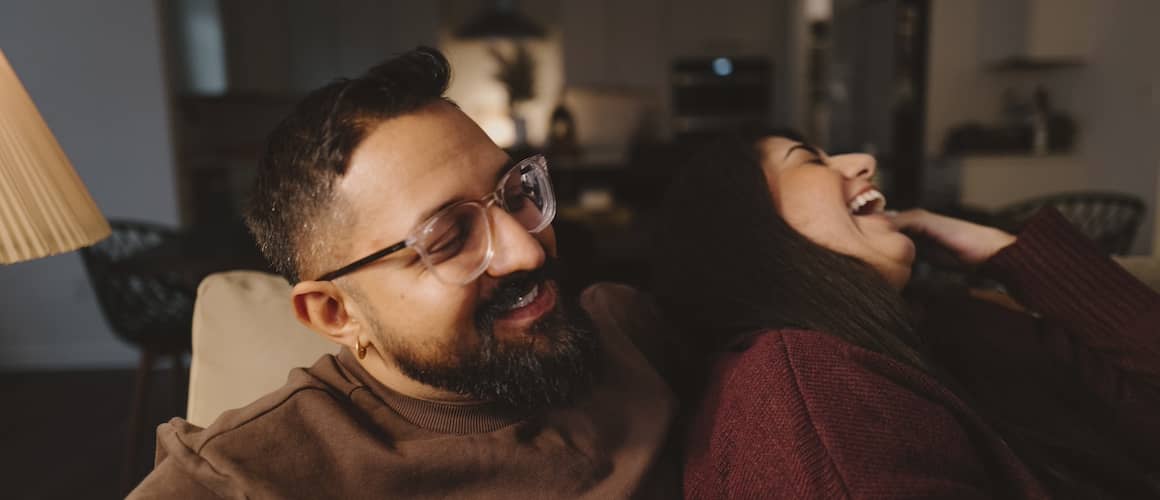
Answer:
x=1111 y=220
x=164 y=106
x=151 y=309
x=499 y=19
x=720 y=93
x=44 y=207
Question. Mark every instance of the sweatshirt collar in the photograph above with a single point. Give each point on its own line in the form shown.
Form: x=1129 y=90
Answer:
x=446 y=418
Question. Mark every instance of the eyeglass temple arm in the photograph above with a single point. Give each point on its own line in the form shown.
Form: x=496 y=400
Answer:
x=347 y=269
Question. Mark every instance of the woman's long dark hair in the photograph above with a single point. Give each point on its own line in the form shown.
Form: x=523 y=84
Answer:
x=727 y=265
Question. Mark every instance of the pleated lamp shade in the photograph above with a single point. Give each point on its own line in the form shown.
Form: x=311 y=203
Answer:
x=44 y=207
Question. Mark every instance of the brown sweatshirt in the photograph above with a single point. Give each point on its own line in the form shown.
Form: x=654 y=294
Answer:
x=333 y=431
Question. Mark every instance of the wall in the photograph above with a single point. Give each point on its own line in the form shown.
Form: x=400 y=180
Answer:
x=792 y=99
x=1112 y=97
x=1117 y=103
x=94 y=71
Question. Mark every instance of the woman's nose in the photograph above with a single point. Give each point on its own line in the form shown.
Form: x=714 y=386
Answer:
x=855 y=165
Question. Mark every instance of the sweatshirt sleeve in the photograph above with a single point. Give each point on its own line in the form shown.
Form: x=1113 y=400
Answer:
x=1060 y=275
x=179 y=472
x=170 y=481
x=793 y=417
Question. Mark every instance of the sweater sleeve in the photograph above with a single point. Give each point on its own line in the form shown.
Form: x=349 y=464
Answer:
x=1091 y=306
x=793 y=417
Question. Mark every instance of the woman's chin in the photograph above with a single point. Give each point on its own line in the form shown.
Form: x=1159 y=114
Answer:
x=898 y=259
x=908 y=251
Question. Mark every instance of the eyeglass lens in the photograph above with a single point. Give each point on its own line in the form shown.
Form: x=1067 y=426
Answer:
x=455 y=244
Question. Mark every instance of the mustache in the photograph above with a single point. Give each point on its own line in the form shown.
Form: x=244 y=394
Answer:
x=512 y=288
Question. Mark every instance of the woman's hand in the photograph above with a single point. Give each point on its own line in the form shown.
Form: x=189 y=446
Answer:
x=971 y=243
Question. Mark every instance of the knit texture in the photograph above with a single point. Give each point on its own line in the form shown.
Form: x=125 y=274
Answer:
x=802 y=414
x=1061 y=275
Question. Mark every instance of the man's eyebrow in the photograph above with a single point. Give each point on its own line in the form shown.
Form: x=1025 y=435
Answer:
x=804 y=147
x=427 y=214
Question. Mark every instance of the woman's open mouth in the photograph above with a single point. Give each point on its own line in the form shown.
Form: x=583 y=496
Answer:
x=870 y=202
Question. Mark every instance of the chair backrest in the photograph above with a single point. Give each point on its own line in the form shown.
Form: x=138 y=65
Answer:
x=136 y=303
x=245 y=341
x=1109 y=219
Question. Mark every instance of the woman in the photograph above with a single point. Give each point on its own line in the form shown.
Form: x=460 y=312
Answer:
x=785 y=273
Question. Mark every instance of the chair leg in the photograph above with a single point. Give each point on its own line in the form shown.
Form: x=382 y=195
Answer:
x=136 y=419
x=180 y=385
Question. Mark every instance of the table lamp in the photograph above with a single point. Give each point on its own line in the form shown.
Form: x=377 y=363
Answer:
x=44 y=207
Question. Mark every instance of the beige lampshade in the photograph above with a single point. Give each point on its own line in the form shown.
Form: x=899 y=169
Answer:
x=44 y=207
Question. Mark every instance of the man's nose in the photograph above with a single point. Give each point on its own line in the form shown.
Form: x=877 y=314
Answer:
x=515 y=248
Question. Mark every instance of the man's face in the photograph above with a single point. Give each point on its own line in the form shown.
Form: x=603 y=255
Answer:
x=485 y=339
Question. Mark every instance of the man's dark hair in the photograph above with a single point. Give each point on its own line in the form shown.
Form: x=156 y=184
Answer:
x=292 y=212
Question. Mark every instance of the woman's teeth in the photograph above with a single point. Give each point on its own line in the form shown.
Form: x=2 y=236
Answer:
x=526 y=299
x=867 y=203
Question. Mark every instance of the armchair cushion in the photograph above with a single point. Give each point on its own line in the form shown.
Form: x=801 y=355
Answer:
x=1144 y=267
x=245 y=342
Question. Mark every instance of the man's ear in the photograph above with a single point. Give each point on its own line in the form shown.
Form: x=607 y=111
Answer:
x=322 y=307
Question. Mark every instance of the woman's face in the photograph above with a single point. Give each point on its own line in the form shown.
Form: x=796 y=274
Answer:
x=832 y=201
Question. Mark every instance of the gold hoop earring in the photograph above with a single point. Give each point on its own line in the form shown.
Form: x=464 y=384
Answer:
x=360 y=349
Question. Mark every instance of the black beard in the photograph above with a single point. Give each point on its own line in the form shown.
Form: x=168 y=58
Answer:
x=557 y=364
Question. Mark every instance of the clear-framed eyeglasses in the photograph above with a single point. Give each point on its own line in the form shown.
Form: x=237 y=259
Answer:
x=455 y=244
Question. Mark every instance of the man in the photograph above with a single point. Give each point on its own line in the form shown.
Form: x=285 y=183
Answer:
x=415 y=243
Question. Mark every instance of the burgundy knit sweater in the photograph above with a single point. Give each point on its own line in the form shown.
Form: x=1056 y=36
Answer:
x=802 y=414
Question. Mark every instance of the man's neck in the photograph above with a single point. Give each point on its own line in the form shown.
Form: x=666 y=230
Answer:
x=389 y=374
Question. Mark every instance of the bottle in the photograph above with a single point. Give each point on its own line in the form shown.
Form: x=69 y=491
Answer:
x=562 y=132
x=1039 y=136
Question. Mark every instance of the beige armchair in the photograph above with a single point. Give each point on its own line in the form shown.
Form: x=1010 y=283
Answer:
x=1144 y=267
x=245 y=341
x=1147 y=267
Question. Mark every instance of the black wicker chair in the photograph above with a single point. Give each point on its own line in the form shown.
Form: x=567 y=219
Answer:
x=150 y=309
x=1109 y=219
